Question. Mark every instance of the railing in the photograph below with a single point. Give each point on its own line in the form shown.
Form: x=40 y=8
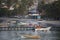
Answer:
x=16 y=28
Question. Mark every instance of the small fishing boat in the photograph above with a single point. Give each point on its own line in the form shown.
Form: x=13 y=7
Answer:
x=43 y=29
x=31 y=36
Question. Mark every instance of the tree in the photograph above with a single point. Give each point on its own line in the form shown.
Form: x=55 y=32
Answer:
x=52 y=10
x=24 y=6
x=20 y=8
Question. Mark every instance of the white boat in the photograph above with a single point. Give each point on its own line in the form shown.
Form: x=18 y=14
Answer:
x=43 y=29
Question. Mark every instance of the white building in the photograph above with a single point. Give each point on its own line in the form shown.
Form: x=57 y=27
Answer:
x=33 y=10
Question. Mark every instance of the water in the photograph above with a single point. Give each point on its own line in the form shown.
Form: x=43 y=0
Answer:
x=16 y=35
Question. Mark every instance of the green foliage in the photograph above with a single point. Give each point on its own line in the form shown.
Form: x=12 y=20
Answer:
x=24 y=6
x=22 y=9
x=52 y=10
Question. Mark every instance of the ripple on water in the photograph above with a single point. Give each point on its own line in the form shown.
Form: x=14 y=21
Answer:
x=16 y=35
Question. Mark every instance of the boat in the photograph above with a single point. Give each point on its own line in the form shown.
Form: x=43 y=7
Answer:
x=43 y=29
x=30 y=36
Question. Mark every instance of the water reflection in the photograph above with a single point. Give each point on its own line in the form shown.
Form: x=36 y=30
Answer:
x=16 y=35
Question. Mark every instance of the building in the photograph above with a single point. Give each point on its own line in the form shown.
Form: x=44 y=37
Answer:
x=33 y=13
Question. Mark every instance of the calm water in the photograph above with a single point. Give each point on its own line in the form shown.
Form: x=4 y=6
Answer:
x=16 y=35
